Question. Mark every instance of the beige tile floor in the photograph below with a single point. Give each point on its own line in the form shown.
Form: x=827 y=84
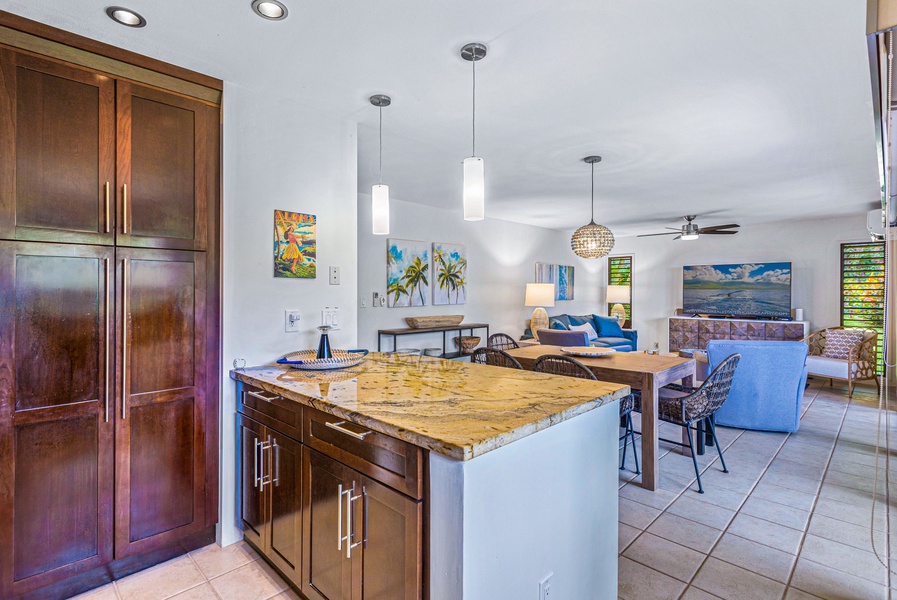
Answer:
x=790 y=521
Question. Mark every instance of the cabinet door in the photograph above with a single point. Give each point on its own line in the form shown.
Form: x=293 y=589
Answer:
x=160 y=434
x=391 y=565
x=284 y=489
x=326 y=572
x=167 y=148
x=56 y=430
x=57 y=145
x=253 y=512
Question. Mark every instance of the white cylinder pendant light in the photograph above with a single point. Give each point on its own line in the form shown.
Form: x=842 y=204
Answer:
x=380 y=192
x=474 y=190
x=380 y=209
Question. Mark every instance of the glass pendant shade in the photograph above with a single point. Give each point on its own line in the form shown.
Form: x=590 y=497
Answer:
x=592 y=241
x=474 y=189
x=380 y=209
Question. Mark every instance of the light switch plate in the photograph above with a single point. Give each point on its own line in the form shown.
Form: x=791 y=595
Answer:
x=330 y=316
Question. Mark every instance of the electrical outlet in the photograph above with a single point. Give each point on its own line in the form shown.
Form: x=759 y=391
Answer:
x=330 y=316
x=291 y=321
x=334 y=275
x=545 y=587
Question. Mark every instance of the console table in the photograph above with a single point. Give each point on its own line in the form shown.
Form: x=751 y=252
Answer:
x=396 y=333
x=695 y=332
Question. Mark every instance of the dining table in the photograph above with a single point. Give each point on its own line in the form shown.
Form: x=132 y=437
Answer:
x=639 y=370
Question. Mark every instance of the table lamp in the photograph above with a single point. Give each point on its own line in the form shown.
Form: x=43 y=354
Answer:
x=539 y=295
x=618 y=295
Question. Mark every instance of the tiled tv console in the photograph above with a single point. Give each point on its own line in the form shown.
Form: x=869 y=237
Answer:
x=695 y=332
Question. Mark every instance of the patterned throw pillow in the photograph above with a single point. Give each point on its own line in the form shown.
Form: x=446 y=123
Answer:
x=587 y=327
x=838 y=342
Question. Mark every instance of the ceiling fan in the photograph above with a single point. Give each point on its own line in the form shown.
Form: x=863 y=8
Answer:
x=691 y=231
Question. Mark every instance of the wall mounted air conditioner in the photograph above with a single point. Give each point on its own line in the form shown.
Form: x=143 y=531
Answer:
x=875 y=223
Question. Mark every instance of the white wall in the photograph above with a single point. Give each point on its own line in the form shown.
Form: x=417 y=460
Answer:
x=501 y=260
x=812 y=247
x=279 y=155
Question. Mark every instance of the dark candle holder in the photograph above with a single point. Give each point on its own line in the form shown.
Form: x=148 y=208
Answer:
x=324 y=344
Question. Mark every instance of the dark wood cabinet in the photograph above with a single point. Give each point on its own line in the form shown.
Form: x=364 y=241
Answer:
x=160 y=457
x=166 y=158
x=109 y=313
x=57 y=152
x=315 y=510
x=56 y=426
x=270 y=480
x=361 y=539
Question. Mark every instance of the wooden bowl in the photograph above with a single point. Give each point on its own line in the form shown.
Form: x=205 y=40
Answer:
x=467 y=343
x=434 y=321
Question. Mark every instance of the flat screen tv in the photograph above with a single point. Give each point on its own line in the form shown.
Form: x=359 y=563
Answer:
x=761 y=290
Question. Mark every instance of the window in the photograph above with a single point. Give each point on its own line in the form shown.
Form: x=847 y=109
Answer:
x=863 y=288
x=619 y=272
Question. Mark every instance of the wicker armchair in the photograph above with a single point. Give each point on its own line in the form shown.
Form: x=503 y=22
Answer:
x=501 y=341
x=860 y=364
x=496 y=358
x=564 y=365
x=696 y=405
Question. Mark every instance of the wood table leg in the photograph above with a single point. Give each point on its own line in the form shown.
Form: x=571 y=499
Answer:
x=650 y=454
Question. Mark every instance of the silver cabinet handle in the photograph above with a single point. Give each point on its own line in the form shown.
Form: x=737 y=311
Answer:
x=108 y=301
x=276 y=450
x=256 y=461
x=124 y=338
x=351 y=522
x=337 y=427
x=124 y=208
x=339 y=517
x=106 y=214
x=259 y=396
x=264 y=477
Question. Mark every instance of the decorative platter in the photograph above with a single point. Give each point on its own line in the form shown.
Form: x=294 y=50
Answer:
x=434 y=321
x=307 y=360
x=588 y=351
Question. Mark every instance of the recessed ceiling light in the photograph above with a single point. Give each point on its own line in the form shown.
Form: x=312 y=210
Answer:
x=125 y=16
x=270 y=9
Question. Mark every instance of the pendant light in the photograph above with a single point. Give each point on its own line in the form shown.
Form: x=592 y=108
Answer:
x=474 y=168
x=592 y=241
x=380 y=192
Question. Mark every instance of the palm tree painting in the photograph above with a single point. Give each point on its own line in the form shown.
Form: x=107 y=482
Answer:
x=407 y=273
x=450 y=271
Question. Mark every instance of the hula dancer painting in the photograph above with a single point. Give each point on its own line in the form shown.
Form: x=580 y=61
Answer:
x=295 y=245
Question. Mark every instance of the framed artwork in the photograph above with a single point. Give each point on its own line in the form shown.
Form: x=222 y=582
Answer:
x=450 y=273
x=560 y=275
x=295 y=245
x=407 y=272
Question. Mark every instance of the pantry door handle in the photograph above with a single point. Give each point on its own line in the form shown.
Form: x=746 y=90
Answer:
x=124 y=338
x=255 y=461
x=108 y=301
x=124 y=208
x=107 y=215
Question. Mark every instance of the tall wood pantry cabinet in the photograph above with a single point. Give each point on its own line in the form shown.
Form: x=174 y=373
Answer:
x=109 y=311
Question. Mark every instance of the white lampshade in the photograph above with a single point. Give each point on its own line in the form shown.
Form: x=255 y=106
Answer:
x=539 y=294
x=618 y=294
x=474 y=189
x=380 y=209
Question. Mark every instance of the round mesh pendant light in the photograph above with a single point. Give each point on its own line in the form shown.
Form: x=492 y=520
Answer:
x=592 y=240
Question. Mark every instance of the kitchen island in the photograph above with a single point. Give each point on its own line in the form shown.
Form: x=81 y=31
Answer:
x=415 y=477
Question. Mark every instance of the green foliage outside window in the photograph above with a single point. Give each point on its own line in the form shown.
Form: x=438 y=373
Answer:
x=863 y=289
x=619 y=272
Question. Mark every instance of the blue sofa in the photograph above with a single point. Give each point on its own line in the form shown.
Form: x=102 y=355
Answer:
x=610 y=334
x=768 y=385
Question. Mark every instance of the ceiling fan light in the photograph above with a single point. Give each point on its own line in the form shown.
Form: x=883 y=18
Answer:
x=689 y=236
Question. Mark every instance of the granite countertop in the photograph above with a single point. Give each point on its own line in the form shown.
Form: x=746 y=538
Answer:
x=457 y=409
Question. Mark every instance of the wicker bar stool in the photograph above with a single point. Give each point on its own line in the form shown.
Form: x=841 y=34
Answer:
x=564 y=365
x=496 y=358
x=501 y=341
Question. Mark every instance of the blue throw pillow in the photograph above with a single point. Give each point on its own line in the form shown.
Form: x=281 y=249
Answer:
x=558 y=325
x=608 y=327
x=579 y=320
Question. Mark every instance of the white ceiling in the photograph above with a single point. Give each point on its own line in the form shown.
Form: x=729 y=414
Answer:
x=752 y=111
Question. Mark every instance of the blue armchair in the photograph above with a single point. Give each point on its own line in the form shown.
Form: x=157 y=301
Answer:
x=610 y=334
x=768 y=386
